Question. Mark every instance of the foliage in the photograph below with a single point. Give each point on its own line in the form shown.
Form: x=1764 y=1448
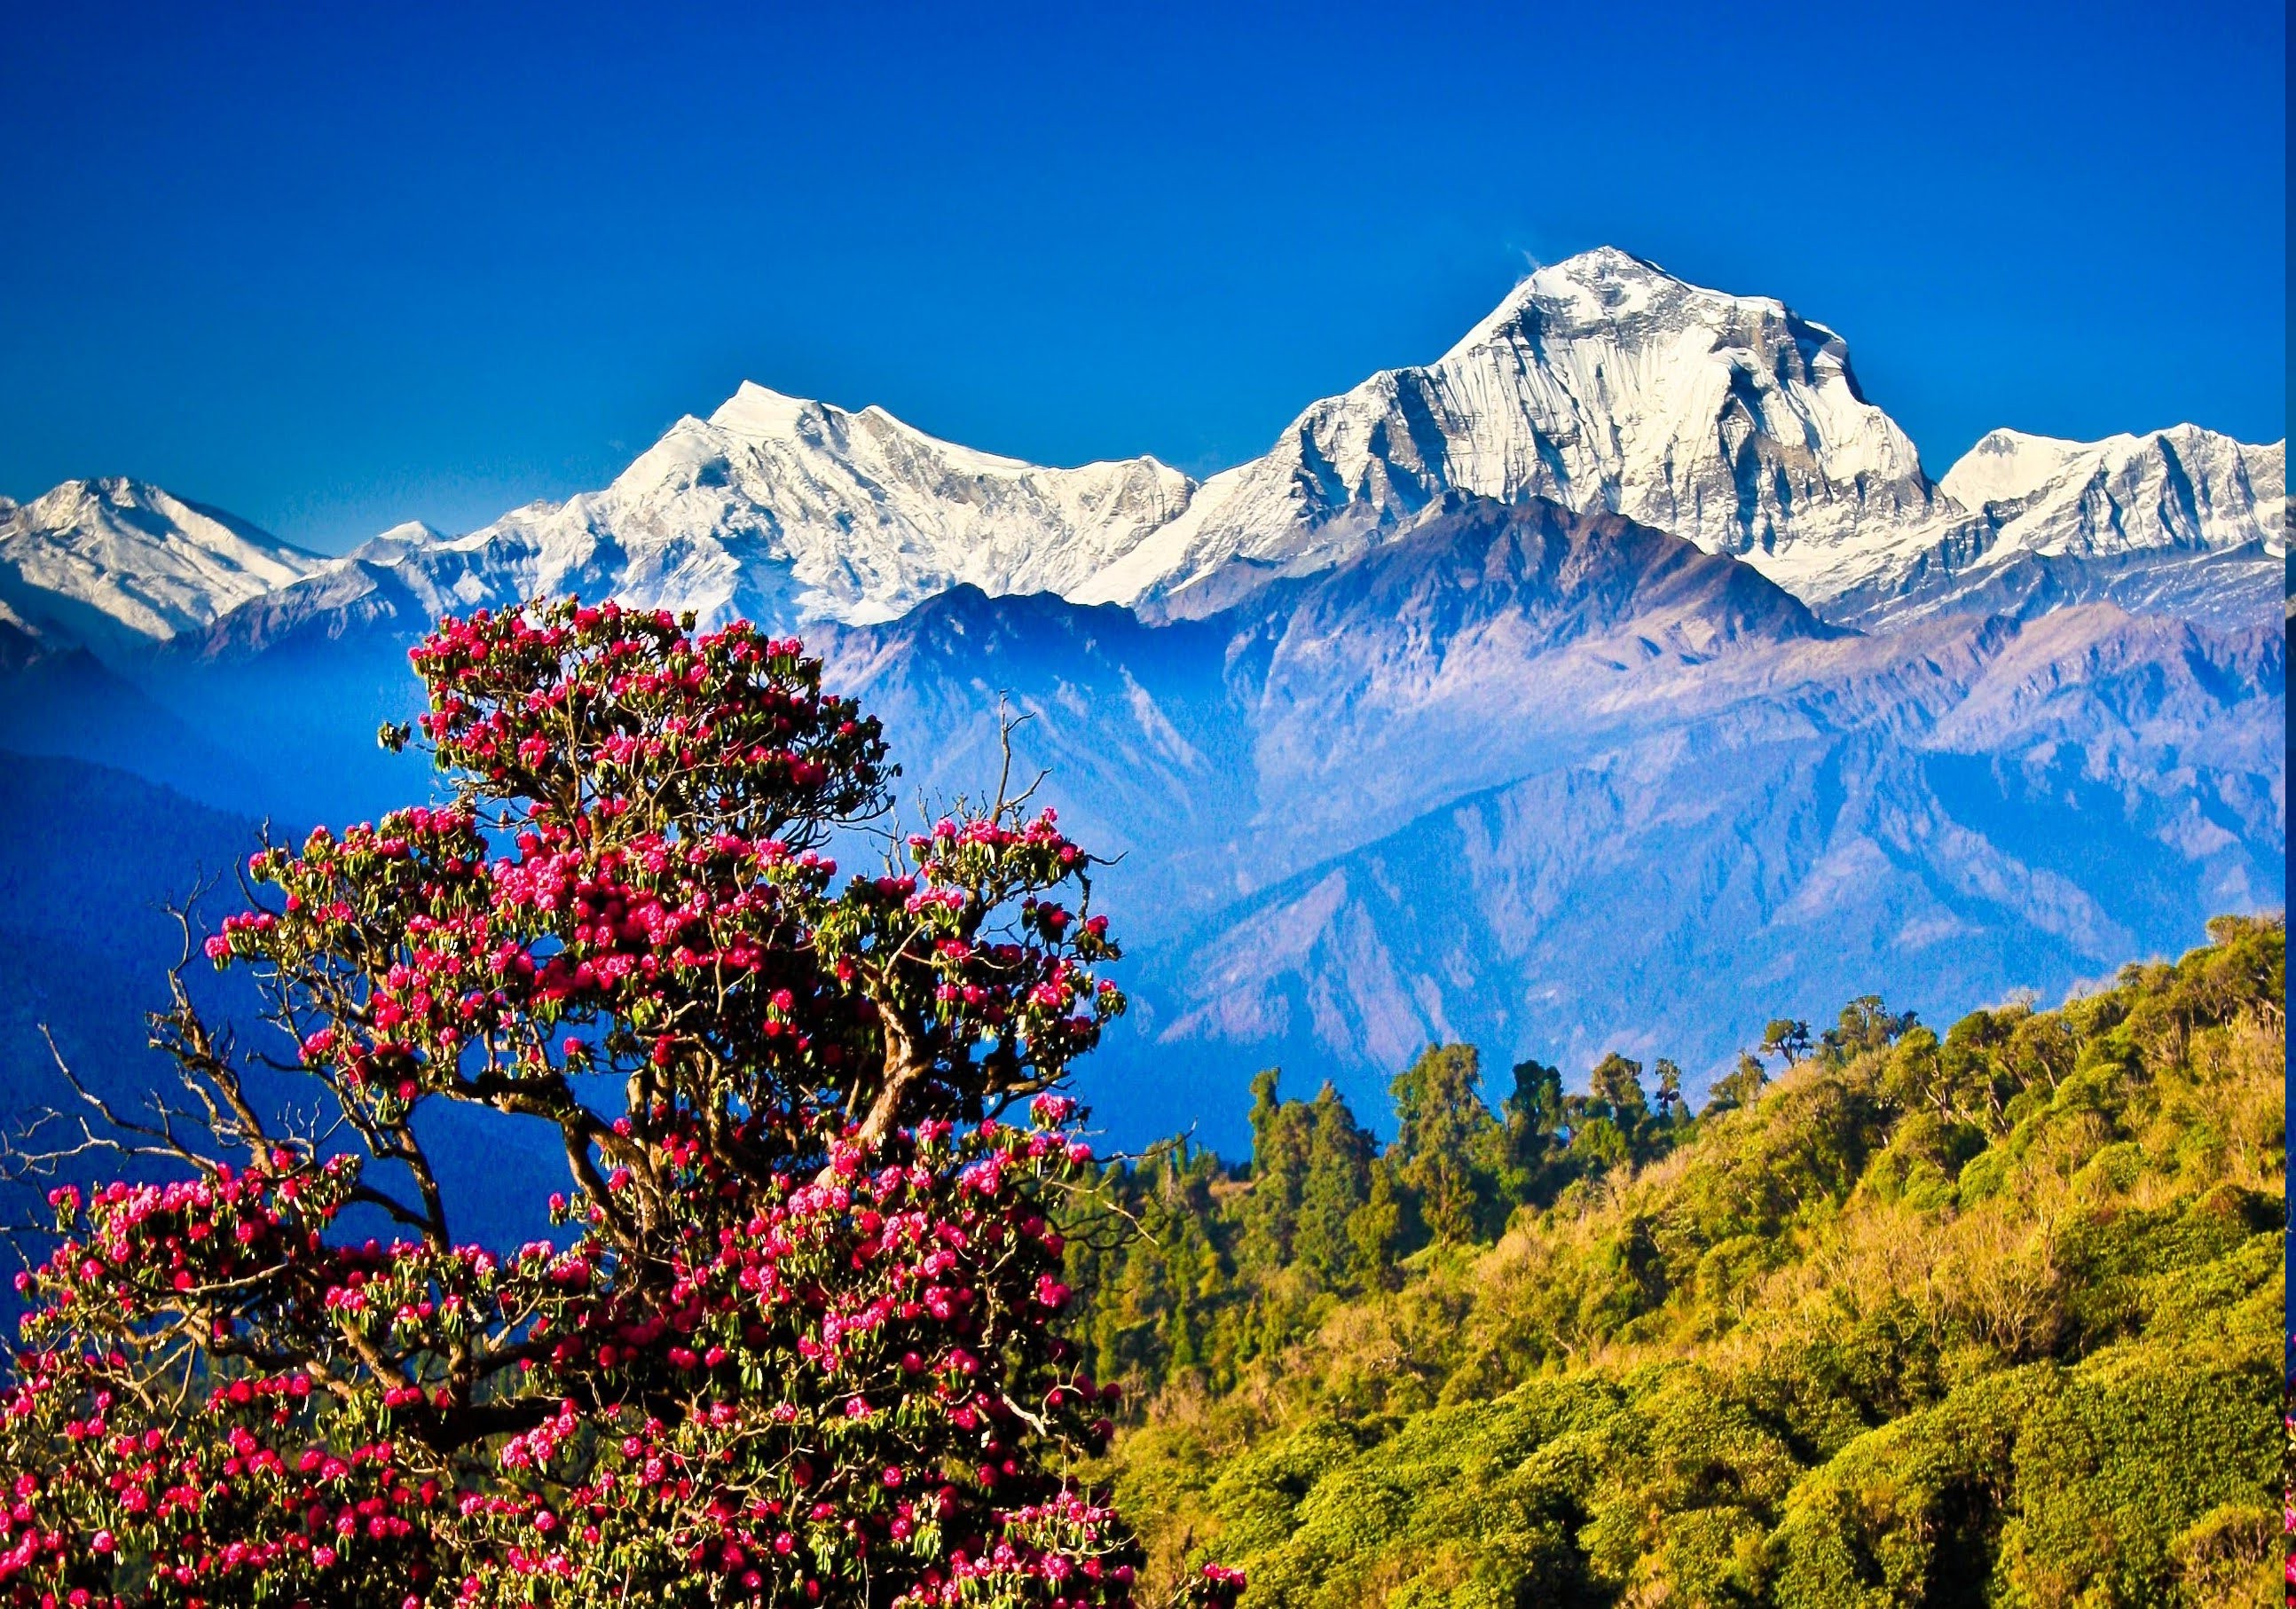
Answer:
x=800 y=1338
x=1984 y=1317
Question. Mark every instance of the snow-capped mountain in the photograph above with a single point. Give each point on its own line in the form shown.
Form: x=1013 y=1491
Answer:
x=2182 y=487
x=1602 y=383
x=773 y=508
x=1497 y=777
x=2183 y=521
x=115 y=563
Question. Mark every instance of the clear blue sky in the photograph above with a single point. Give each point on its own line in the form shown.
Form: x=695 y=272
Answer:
x=330 y=271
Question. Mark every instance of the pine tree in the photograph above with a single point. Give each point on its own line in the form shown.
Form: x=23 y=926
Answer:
x=1865 y=1024
x=1281 y=1136
x=1338 y=1184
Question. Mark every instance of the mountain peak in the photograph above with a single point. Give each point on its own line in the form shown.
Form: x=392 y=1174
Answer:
x=1605 y=268
x=118 y=563
x=756 y=409
x=1600 y=382
x=1586 y=285
x=409 y=532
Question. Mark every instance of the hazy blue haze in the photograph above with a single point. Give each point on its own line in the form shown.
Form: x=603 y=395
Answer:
x=332 y=270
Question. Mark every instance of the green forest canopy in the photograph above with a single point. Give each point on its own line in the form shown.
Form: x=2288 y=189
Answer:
x=1990 y=1317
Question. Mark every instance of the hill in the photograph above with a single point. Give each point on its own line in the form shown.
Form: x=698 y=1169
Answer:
x=1989 y=1318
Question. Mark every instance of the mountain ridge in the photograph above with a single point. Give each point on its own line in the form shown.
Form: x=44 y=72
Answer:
x=1519 y=772
x=1350 y=827
x=1600 y=382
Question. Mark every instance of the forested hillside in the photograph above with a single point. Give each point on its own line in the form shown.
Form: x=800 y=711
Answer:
x=1989 y=1316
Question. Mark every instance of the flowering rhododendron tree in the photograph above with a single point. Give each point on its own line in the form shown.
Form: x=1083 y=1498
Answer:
x=800 y=1340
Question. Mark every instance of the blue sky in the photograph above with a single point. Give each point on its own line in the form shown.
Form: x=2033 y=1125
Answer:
x=332 y=270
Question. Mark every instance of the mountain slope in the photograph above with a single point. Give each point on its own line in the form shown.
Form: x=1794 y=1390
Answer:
x=1984 y=1313
x=1536 y=778
x=1322 y=712
x=117 y=564
x=1666 y=891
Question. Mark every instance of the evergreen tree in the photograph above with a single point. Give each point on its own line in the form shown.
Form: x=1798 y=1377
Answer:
x=1865 y=1024
x=1534 y=1114
x=1669 y=1090
x=1375 y=1230
x=1446 y=1141
x=1280 y=1139
x=1788 y=1037
x=1616 y=1086
x=1599 y=1145
x=1536 y=1121
x=1338 y=1184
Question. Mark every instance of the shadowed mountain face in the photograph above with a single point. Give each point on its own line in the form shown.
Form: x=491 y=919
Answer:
x=1322 y=712
x=1665 y=891
x=1560 y=784
x=1551 y=780
x=92 y=861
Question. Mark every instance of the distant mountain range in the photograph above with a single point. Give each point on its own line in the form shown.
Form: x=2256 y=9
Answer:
x=1602 y=383
x=1623 y=666
x=1559 y=783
